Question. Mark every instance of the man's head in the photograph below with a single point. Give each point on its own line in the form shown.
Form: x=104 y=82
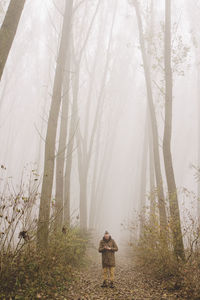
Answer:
x=106 y=235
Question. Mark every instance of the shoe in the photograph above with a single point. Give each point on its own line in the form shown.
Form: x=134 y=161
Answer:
x=112 y=285
x=104 y=284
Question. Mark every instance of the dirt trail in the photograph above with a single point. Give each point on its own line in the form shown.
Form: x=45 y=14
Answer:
x=130 y=283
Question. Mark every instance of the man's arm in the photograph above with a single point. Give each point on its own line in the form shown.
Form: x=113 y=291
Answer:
x=114 y=247
x=101 y=247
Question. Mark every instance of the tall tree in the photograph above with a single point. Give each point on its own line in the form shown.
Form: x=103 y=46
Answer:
x=8 y=30
x=172 y=191
x=150 y=137
x=88 y=141
x=60 y=158
x=196 y=42
x=70 y=145
x=49 y=160
x=143 y=178
x=159 y=181
x=74 y=128
x=152 y=183
x=63 y=159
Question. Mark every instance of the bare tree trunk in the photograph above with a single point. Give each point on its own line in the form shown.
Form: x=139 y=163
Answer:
x=194 y=24
x=85 y=144
x=152 y=181
x=150 y=136
x=102 y=177
x=198 y=183
x=143 y=178
x=60 y=161
x=173 y=198
x=83 y=166
x=8 y=30
x=89 y=102
x=159 y=181
x=49 y=161
x=68 y=167
x=83 y=200
x=70 y=145
x=94 y=186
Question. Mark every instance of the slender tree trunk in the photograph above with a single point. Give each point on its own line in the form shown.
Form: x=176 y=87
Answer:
x=83 y=201
x=70 y=145
x=67 y=179
x=83 y=165
x=94 y=185
x=159 y=181
x=83 y=180
x=60 y=161
x=173 y=198
x=99 y=112
x=49 y=161
x=102 y=177
x=143 y=178
x=8 y=30
x=198 y=183
x=152 y=181
x=150 y=136
x=194 y=23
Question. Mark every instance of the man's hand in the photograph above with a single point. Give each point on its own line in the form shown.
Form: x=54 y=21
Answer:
x=107 y=248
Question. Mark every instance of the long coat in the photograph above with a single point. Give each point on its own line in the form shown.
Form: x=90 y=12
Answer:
x=108 y=256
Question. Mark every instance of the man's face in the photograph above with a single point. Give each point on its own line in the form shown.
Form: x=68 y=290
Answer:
x=107 y=235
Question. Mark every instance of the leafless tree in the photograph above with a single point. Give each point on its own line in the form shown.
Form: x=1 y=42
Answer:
x=8 y=30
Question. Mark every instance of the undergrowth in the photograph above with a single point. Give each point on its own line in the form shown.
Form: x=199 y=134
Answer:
x=34 y=274
x=25 y=271
x=159 y=262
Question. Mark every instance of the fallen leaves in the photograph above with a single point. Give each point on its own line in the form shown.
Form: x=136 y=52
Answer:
x=130 y=284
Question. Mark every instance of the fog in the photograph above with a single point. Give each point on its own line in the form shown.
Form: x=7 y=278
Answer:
x=109 y=118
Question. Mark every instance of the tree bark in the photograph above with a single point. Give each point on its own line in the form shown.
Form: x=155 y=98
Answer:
x=159 y=181
x=70 y=145
x=49 y=161
x=85 y=150
x=8 y=30
x=152 y=181
x=60 y=160
x=150 y=137
x=172 y=192
x=143 y=179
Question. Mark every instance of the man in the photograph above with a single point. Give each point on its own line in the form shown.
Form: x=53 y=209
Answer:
x=107 y=247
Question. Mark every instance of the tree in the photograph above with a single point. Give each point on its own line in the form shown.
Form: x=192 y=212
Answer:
x=49 y=160
x=158 y=174
x=196 y=42
x=8 y=30
x=60 y=158
x=143 y=178
x=63 y=178
x=88 y=142
x=152 y=182
x=172 y=192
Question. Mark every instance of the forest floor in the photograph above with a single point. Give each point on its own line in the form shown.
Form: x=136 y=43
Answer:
x=130 y=283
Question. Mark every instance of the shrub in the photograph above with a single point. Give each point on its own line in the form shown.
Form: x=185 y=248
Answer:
x=31 y=273
x=159 y=261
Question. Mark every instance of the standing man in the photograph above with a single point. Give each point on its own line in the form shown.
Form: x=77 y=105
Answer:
x=107 y=247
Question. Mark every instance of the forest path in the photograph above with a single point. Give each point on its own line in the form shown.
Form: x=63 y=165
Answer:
x=130 y=283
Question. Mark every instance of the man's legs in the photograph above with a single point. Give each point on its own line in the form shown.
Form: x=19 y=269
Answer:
x=105 y=277
x=112 y=276
x=112 y=273
x=105 y=273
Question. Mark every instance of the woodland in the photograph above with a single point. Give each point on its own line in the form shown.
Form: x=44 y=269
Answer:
x=99 y=130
